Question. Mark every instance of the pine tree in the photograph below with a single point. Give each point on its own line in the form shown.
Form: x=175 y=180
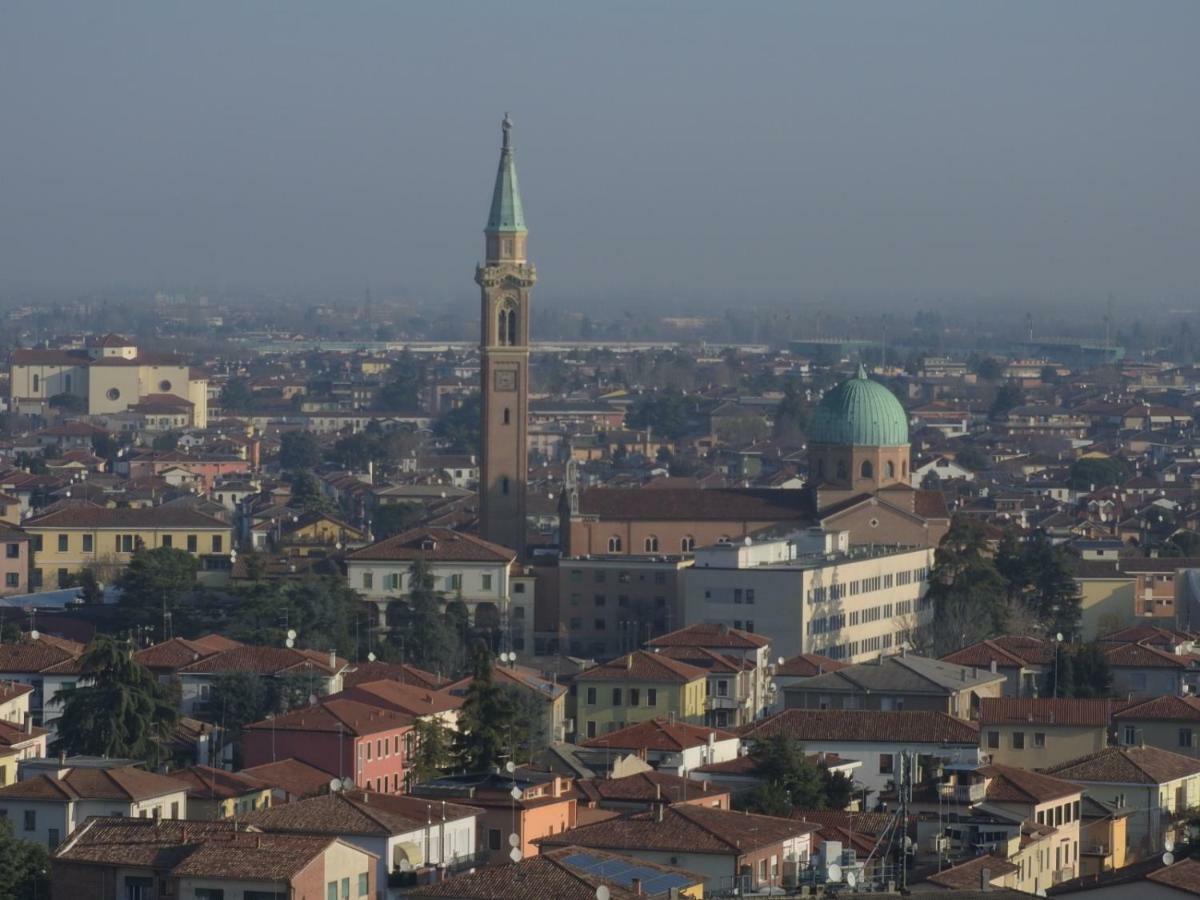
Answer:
x=966 y=590
x=486 y=720
x=431 y=641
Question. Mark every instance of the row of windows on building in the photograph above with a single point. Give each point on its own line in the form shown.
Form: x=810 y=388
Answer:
x=599 y=600
x=687 y=543
x=575 y=624
x=739 y=595
x=624 y=576
x=394 y=581
x=838 y=621
x=634 y=696
x=852 y=648
x=840 y=591
x=127 y=543
x=1187 y=737
x=334 y=890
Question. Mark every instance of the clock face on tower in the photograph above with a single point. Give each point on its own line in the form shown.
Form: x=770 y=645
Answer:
x=505 y=380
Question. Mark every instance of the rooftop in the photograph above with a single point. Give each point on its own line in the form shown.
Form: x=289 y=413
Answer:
x=875 y=726
x=1128 y=765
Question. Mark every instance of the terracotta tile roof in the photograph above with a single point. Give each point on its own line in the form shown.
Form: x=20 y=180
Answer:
x=696 y=504
x=353 y=717
x=642 y=666
x=1015 y=785
x=906 y=726
x=968 y=875
x=518 y=676
x=28 y=655
x=402 y=672
x=10 y=690
x=292 y=776
x=542 y=877
x=172 y=654
x=406 y=698
x=435 y=545
x=1045 y=711
x=646 y=787
x=1164 y=709
x=14 y=735
x=658 y=734
x=708 y=660
x=125 y=517
x=1183 y=876
x=1128 y=765
x=124 y=784
x=708 y=634
x=872 y=823
x=207 y=783
x=1008 y=651
x=1140 y=656
x=808 y=665
x=261 y=659
x=354 y=812
x=684 y=828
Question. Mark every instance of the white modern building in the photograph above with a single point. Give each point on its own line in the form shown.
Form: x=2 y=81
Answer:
x=812 y=592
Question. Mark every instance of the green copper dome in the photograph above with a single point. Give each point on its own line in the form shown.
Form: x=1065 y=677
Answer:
x=859 y=412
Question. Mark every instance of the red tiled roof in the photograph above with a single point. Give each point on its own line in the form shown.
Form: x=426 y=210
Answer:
x=646 y=787
x=708 y=634
x=207 y=783
x=968 y=875
x=684 y=828
x=1183 y=876
x=435 y=545
x=353 y=717
x=406 y=698
x=1007 y=650
x=292 y=776
x=172 y=654
x=1128 y=765
x=1045 y=711
x=125 y=517
x=355 y=812
x=904 y=726
x=45 y=653
x=642 y=666
x=658 y=734
x=1165 y=709
x=14 y=735
x=1015 y=785
x=262 y=659
x=1140 y=656
x=124 y=784
x=807 y=665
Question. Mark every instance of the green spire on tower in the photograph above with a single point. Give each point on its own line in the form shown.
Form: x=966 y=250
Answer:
x=506 y=213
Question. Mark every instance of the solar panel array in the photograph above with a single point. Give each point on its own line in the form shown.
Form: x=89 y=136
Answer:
x=622 y=872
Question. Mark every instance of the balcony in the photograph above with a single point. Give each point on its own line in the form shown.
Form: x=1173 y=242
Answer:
x=963 y=793
x=714 y=702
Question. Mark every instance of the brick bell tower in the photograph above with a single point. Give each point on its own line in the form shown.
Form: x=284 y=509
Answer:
x=505 y=280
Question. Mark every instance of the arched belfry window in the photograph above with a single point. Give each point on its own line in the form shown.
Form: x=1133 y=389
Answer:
x=652 y=544
x=506 y=324
x=614 y=544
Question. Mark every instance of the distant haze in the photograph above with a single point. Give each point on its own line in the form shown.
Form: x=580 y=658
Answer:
x=670 y=154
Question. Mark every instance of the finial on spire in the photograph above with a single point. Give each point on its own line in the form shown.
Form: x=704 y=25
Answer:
x=506 y=127
x=862 y=372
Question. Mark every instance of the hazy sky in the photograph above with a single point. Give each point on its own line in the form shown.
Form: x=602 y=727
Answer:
x=748 y=152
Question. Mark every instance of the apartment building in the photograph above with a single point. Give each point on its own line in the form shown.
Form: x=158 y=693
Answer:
x=635 y=688
x=1036 y=732
x=812 y=592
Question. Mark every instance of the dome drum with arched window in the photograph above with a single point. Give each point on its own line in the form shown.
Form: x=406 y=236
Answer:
x=858 y=437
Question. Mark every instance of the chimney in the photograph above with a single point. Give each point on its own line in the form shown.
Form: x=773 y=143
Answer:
x=985 y=880
x=993 y=666
x=333 y=659
x=635 y=885
x=629 y=661
x=658 y=811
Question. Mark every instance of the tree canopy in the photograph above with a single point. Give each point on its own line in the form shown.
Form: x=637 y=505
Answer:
x=153 y=584
x=299 y=450
x=486 y=720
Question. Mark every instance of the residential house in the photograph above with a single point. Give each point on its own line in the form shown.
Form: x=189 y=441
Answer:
x=289 y=780
x=668 y=746
x=50 y=665
x=898 y=682
x=410 y=840
x=571 y=873
x=19 y=742
x=464 y=567
x=876 y=738
x=642 y=790
x=70 y=538
x=221 y=794
x=1024 y=661
x=737 y=694
x=1102 y=837
x=411 y=700
x=635 y=688
x=1153 y=784
x=1141 y=670
x=729 y=849
x=14 y=562
x=148 y=859
x=795 y=670
x=46 y=807
x=528 y=804
x=14 y=701
x=1037 y=732
x=1168 y=722
x=345 y=738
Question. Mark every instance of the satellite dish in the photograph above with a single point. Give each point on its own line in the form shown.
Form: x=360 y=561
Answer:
x=1058 y=637
x=780 y=661
x=514 y=854
x=510 y=767
x=851 y=880
x=35 y=634
x=603 y=893
x=515 y=793
x=347 y=783
x=513 y=840
x=405 y=865
x=1168 y=858
x=289 y=643
x=291 y=633
x=833 y=873
x=335 y=785
x=1169 y=845
x=371 y=656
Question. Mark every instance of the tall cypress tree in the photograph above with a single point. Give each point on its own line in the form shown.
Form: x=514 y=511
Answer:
x=486 y=720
